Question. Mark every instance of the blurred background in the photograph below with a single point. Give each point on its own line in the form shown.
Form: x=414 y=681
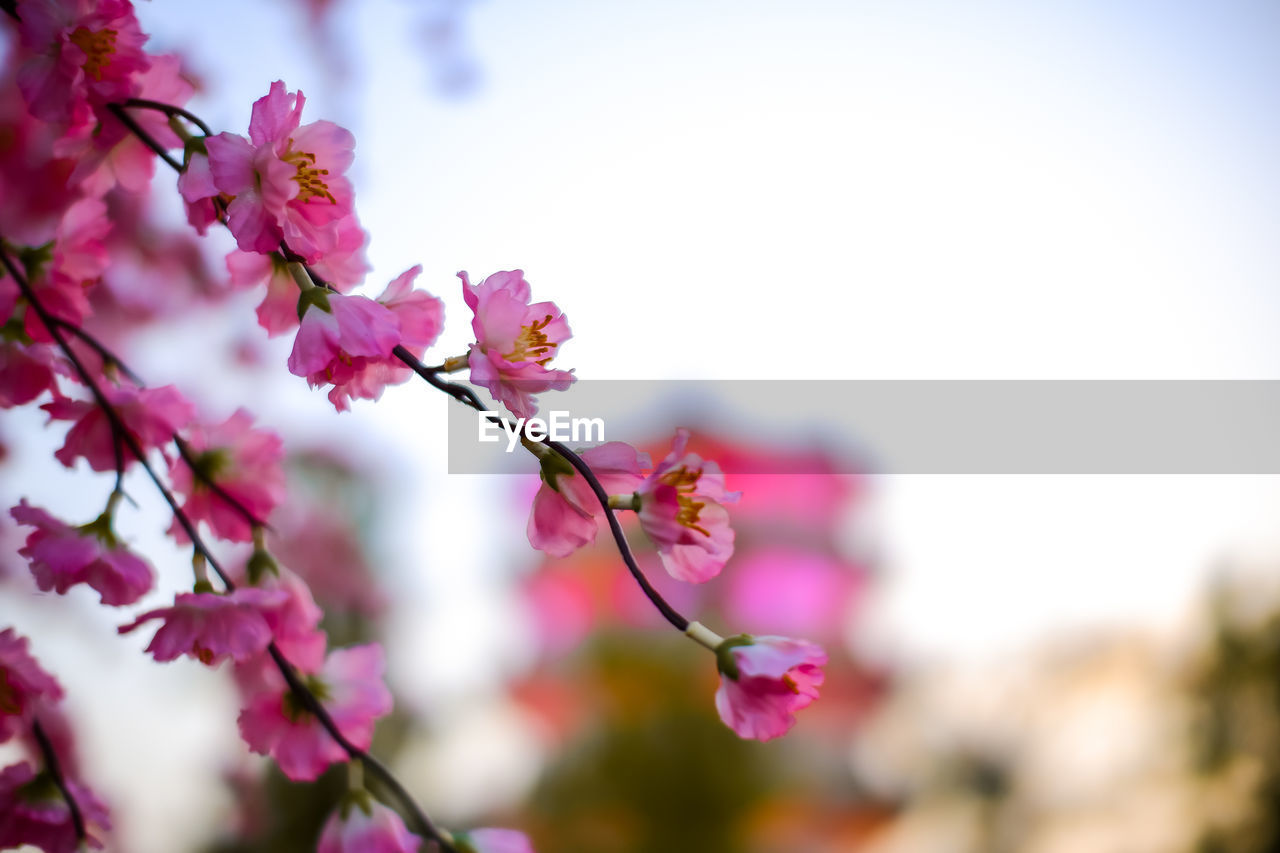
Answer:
x=727 y=191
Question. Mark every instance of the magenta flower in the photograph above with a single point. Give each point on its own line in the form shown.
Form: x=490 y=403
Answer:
x=33 y=811
x=361 y=825
x=680 y=510
x=764 y=681
x=244 y=462
x=152 y=416
x=514 y=341
x=342 y=269
x=85 y=55
x=349 y=686
x=26 y=372
x=115 y=155
x=564 y=518
x=78 y=259
x=493 y=841
x=62 y=556
x=198 y=192
x=335 y=335
x=286 y=181
x=212 y=627
x=24 y=685
x=420 y=317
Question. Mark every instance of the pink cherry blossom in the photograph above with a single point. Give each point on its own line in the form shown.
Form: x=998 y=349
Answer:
x=85 y=54
x=514 y=341
x=244 y=462
x=420 y=316
x=211 y=627
x=564 y=519
x=33 y=178
x=26 y=372
x=113 y=154
x=62 y=556
x=24 y=685
x=198 y=192
x=493 y=841
x=151 y=415
x=764 y=681
x=294 y=624
x=365 y=826
x=350 y=688
x=680 y=510
x=345 y=265
x=78 y=258
x=33 y=811
x=342 y=269
x=286 y=181
x=335 y=339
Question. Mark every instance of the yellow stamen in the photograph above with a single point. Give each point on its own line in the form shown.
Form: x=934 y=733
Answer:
x=533 y=341
x=98 y=46
x=684 y=482
x=310 y=179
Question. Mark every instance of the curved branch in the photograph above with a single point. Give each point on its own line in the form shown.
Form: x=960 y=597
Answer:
x=169 y=110
x=55 y=772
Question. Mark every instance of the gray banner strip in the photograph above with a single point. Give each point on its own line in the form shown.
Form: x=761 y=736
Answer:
x=926 y=427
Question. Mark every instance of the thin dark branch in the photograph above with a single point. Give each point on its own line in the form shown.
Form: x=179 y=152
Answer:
x=615 y=527
x=171 y=110
x=373 y=765
x=184 y=450
x=304 y=695
x=465 y=395
x=55 y=772
x=113 y=417
x=147 y=139
x=107 y=356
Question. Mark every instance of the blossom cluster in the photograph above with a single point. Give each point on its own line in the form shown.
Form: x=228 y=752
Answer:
x=90 y=113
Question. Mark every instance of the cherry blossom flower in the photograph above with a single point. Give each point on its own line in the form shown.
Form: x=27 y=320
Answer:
x=294 y=628
x=244 y=462
x=286 y=181
x=348 y=685
x=212 y=627
x=335 y=334
x=514 y=341
x=33 y=811
x=764 y=681
x=680 y=510
x=420 y=316
x=197 y=189
x=114 y=154
x=493 y=841
x=360 y=825
x=76 y=260
x=86 y=53
x=564 y=517
x=33 y=178
x=151 y=415
x=24 y=685
x=62 y=556
x=342 y=269
x=26 y=372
